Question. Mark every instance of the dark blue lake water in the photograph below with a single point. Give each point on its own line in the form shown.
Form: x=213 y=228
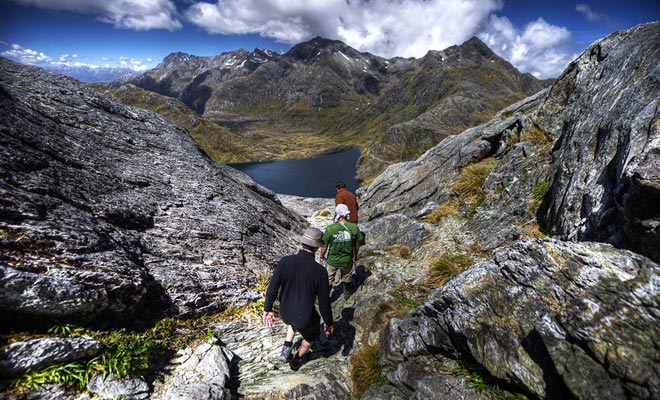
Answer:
x=306 y=177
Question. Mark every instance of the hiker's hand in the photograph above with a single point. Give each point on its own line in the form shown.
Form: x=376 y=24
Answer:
x=269 y=318
x=328 y=330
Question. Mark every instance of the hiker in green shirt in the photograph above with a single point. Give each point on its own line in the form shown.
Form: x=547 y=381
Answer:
x=341 y=238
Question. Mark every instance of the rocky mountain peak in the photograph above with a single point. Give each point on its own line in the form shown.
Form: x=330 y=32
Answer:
x=173 y=59
x=321 y=47
x=472 y=51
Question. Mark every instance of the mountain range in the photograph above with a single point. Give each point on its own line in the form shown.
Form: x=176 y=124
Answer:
x=323 y=95
x=92 y=75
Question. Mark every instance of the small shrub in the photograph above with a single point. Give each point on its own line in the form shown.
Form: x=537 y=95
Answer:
x=448 y=265
x=365 y=370
x=399 y=250
x=324 y=213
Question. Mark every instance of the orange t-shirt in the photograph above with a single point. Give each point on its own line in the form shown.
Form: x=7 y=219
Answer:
x=343 y=196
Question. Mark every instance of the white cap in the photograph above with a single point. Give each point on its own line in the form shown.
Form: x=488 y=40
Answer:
x=341 y=211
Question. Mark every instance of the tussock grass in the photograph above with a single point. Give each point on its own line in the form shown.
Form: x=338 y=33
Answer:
x=446 y=209
x=469 y=184
x=365 y=370
x=534 y=230
x=535 y=135
x=448 y=265
x=400 y=251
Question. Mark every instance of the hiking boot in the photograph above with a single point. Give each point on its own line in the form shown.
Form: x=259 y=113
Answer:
x=296 y=362
x=285 y=356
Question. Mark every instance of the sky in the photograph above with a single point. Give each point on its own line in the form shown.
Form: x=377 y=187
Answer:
x=537 y=36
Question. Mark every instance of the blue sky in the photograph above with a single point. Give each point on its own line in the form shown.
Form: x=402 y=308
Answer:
x=540 y=37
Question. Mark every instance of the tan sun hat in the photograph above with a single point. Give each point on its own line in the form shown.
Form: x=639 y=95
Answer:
x=312 y=237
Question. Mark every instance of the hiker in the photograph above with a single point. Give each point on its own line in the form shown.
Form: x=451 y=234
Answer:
x=344 y=196
x=302 y=281
x=341 y=241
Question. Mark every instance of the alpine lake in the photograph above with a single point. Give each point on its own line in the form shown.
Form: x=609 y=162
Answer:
x=306 y=177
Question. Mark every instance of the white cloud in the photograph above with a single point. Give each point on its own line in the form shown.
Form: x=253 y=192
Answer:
x=127 y=14
x=542 y=49
x=135 y=64
x=593 y=16
x=388 y=28
x=26 y=56
x=74 y=64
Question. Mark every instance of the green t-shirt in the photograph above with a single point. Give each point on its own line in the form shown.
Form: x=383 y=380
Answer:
x=340 y=238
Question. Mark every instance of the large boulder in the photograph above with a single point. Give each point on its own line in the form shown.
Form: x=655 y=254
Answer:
x=112 y=215
x=557 y=320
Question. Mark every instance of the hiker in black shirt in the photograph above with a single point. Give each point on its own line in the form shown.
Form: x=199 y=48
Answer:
x=302 y=280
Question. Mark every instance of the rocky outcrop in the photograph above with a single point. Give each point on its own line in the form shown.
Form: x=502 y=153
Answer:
x=109 y=387
x=604 y=111
x=35 y=353
x=545 y=318
x=111 y=215
x=197 y=374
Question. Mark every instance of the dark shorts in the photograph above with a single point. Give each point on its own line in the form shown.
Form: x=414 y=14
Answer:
x=310 y=333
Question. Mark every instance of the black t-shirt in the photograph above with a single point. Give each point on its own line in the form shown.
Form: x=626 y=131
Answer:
x=301 y=280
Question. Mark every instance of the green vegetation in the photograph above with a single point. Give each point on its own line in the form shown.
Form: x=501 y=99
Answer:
x=124 y=353
x=365 y=370
x=538 y=194
x=252 y=310
x=448 y=265
x=482 y=382
x=403 y=300
x=62 y=330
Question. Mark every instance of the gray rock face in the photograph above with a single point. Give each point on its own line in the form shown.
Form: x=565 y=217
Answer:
x=111 y=388
x=113 y=215
x=34 y=353
x=413 y=188
x=555 y=319
x=197 y=374
x=392 y=230
x=605 y=112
